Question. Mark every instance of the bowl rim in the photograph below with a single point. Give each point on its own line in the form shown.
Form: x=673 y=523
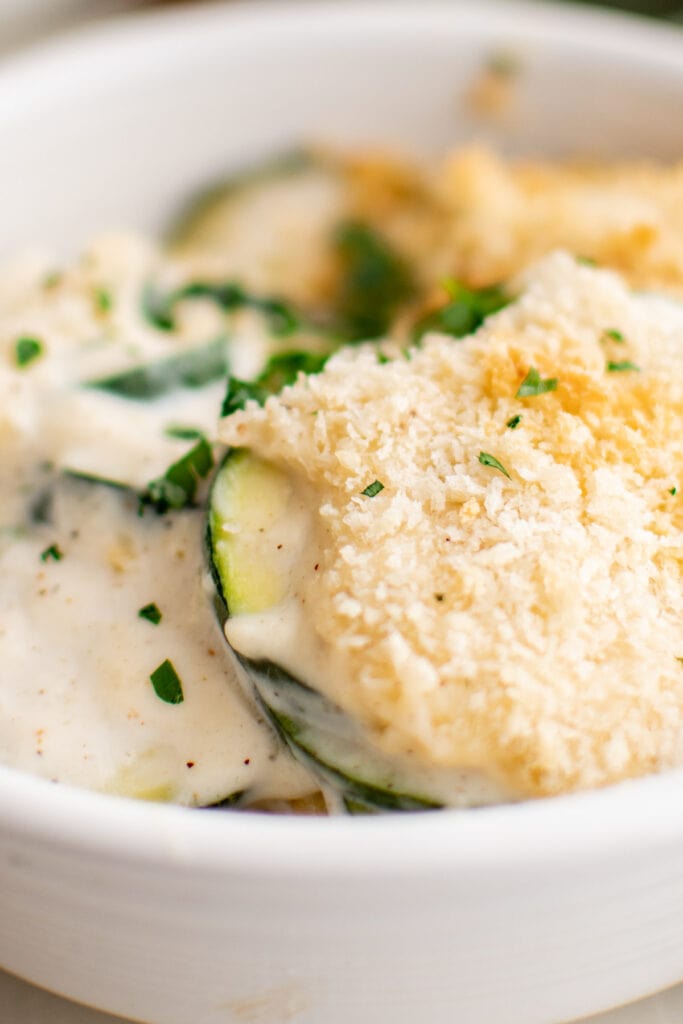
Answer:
x=603 y=31
x=601 y=825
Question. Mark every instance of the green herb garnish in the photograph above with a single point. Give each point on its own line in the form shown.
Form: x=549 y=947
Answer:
x=612 y=334
x=279 y=371
x=159 y=308
x=372 y=489
x=177 y=488
x=181 y=433
x=103 y=300
x=465 y=312
x=166 y=683
x=52 y=279
x=283 y=369
x=533 y=385
x=193 y=369
x=492 y=461
x=514 y=421
x=239 y=393
x=151 y=613
x=53 y=553
x=622 y=366
x=375 y=282
x=673 y=491
x=26 y=350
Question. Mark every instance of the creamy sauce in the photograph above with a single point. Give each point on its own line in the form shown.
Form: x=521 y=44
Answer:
x=292 y=549
x=76 y=702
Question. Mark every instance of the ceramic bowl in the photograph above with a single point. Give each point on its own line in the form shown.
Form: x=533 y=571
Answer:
x=528 y=914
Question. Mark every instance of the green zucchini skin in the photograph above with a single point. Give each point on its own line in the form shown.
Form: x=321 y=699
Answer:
x=308 y=722
x=188 y=223
x=355 y=779
x=194 y=369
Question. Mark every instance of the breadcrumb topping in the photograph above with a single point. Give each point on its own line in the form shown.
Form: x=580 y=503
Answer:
x=503 y=216
x=528 y=625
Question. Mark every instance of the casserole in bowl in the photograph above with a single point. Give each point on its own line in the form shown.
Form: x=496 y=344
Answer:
x=534 y=912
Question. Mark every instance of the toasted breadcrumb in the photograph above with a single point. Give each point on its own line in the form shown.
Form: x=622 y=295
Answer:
x=550 y=658
x=504 y=216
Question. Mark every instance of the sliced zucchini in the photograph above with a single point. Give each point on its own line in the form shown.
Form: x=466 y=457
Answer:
x=247 y=497
x=200 y=221
x=326 y=739
x=269 y=228
x=195 y=368
x=251 y=505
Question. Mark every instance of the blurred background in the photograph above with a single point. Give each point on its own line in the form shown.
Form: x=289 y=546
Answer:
x=24 y=21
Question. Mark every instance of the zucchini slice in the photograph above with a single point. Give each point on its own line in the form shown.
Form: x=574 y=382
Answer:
x=206 y=218
x=268 y=228
x=194 y=368
x=252 y=504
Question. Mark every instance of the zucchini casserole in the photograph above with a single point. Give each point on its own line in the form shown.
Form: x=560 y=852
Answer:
x=363 y=491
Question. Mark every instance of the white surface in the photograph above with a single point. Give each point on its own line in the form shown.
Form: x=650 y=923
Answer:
x=21 y=1003
x=519 y=915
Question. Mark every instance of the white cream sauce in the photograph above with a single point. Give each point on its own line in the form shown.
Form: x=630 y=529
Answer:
x=76 y=701
x=292 y=547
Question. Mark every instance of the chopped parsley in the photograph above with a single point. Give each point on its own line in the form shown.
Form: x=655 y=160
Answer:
x=586 y=261
x=52 y=554
x=52 y=279
x=514 y=421
x=166 y=683
x=279 y=371
x=375 y=282
x=465 y=312
x=612 y=334
x=151 y=613
x=177 y=488
x=534 y=385
x=26 y=350
x=372 y=489
x=283 y=369
x=673 y=491
x=621 y=366
x=239 y=393
x=103 y=300
x=181 y=433
x=159 y=308
x=492 y=461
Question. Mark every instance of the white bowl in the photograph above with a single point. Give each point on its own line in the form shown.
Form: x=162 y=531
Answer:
x=526 y=914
